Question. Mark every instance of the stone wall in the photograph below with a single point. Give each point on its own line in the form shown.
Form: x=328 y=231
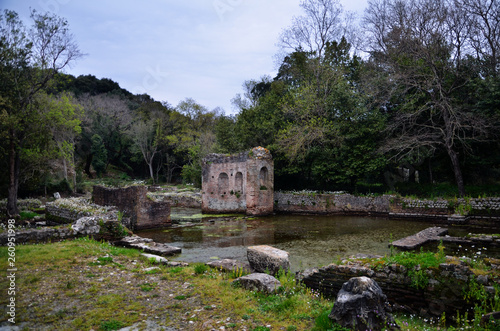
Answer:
x=65 y=211
x=39 y=235
x=134 y=203
x=341 y=203
x=242 y=183
x=444 y=292
x=184 y=200
x=387 y=205
x=224 y=186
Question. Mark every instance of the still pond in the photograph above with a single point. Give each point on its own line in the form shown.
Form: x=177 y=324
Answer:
x=311 y=241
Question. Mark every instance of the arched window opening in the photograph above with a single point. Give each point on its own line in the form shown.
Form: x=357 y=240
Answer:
x=223 y=183
x=263 y=178
x=238 y=184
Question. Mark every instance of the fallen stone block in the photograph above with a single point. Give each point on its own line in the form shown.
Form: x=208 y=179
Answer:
x=161 y=249
x=268 y=259
x=148 y=245
x=127 y=241
x=258 y=282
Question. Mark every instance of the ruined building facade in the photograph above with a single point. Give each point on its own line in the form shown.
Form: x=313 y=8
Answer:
x=242 y=183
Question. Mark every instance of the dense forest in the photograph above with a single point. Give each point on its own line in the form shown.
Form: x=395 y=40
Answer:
x=406 y=96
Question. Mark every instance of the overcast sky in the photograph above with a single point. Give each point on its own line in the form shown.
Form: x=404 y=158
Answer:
x=172 y=49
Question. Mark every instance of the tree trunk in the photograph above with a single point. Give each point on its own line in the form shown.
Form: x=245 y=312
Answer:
x=448 y=139
x=65 y=167
x=457 y=171
x=88 y=162
x=14 y=167
x=431 y=179
x=151 y=172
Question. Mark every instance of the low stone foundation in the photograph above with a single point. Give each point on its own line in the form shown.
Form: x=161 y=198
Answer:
x=103 y=229
x=445 y=291
x=472 y=211
x=341 y=203
x=183 y=200
x=133 y=201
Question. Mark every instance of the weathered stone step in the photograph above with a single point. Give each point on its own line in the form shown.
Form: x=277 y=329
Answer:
x=419 y=239
x=148 y=245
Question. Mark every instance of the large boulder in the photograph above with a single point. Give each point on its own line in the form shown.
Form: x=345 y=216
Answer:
x=361 y=305
x=268 y=259
x=258 y=282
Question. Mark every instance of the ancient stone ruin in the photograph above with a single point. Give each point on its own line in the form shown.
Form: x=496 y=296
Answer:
x=134 y=203
x=242 y=183
x=361 y=305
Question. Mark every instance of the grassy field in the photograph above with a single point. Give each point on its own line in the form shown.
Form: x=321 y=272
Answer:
x=84 y=284
x=88 y=285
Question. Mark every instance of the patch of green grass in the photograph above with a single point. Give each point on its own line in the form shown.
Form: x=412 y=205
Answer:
x=180 y=297
x=152 y=271
x=200 y=268
x=416 y=264
x=147 y=287
x=111 y=325
x=324 y=323
x=27 y=215
x=275 y=303
x=176 y=270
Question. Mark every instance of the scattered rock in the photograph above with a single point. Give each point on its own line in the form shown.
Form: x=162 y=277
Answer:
x=155 y=258
x=147 y=325
x=160 y=249
x=361 y=305
x=148 y=245
x=86 y=225
x=127 y=241
x=229 y=265
x=177 y=264
x=258 y=282
x=265 y=258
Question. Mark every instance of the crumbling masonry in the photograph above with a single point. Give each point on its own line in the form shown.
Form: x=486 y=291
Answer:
x=242 y=183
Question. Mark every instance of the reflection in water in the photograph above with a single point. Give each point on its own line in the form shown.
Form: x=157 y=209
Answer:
x=311 y=240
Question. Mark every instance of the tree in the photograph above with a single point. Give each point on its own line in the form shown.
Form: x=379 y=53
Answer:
x=63 y=116
x=108 y=116
x=423 y=50
x=197 y=138
x=99 y=161
x=145 y=135
x=323 y=21
x=29 y=59
x=329 y=130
